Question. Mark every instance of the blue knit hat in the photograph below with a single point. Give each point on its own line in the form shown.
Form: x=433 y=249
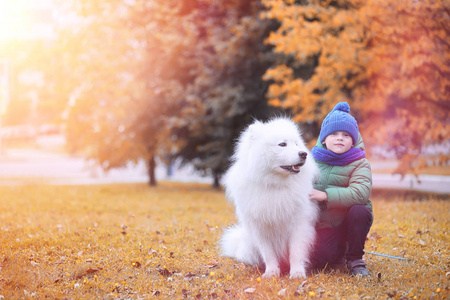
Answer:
x=339 y=119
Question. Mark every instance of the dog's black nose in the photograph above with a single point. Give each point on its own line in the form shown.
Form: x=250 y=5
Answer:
x=302 y=154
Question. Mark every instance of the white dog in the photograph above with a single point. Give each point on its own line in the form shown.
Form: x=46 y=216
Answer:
x=269 y=183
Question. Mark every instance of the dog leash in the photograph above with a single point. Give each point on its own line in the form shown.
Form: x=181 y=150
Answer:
x=386 y=255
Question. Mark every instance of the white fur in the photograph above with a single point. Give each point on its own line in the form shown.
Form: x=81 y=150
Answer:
x=275 y=215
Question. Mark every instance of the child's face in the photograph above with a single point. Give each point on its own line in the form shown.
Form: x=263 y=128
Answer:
x=338 y=142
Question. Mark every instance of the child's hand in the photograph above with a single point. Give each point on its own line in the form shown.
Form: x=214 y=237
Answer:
x=318 y=196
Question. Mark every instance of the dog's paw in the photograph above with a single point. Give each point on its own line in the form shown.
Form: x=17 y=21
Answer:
x=297 y=273
x=271 y=273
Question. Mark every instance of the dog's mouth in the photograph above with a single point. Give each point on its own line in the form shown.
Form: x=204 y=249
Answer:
x=293 y=168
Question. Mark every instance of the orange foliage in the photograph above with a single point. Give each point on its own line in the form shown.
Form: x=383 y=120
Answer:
x=389 y=59
x=408 y=72
x=321 y=36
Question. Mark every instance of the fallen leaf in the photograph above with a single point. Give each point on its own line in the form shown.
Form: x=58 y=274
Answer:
x=282 y=292
x=164 y=272
x=93 y=270
x=189 y=275
x=60 y=260
x=212 y=263
x=152 y=252
x=29 y=294
x=124 y=229
x=85 y=271
x=392 y=294
x=374 y=236
x=301 y=287
x=117 y=288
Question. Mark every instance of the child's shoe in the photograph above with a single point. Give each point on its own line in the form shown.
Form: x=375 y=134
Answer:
x=358 y=267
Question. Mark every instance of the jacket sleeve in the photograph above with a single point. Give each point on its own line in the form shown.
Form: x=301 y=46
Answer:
x=358 y=190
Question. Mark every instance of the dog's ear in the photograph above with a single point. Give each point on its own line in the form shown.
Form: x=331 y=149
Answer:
x=255 y=129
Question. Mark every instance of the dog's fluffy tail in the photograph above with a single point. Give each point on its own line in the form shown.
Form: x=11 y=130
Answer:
x=237 y=243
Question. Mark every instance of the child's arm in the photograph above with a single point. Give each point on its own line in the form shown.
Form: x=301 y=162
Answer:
x=358 y=190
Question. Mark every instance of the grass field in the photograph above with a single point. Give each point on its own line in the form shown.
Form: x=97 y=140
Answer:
x=134 y=242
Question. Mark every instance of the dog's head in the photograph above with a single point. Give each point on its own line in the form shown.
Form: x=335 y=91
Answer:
x=275 y=147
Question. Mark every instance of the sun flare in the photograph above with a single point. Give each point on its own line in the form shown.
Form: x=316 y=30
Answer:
x=26 y=19
x=14 y=19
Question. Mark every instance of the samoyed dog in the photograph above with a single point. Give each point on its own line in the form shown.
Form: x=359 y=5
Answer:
x=269 y=183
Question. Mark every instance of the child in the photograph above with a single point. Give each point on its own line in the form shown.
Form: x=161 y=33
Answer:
x=343 y=191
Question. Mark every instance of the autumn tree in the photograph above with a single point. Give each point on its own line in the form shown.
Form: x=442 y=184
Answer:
x=322 y=43
x=132 y=62
x=228 y=86
x=102 y=90
x=389 y=59
x=166 y=78
x=404 y=104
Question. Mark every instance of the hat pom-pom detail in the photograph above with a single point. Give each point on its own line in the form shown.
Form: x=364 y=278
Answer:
x=342 y=106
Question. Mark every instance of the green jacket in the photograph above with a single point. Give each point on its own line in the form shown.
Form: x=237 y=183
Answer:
x=345 y=186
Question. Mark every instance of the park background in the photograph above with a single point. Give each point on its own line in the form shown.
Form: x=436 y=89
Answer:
x=124 y=92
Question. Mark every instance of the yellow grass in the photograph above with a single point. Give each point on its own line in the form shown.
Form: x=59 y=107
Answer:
x=134 y=242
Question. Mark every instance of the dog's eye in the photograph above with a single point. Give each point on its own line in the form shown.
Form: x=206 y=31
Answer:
x=283 y=144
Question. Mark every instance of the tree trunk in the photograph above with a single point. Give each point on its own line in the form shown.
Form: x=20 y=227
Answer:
x=151 y=171
x=216 y=184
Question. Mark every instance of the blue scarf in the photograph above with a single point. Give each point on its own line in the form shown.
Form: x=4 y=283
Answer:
x=331 y=158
